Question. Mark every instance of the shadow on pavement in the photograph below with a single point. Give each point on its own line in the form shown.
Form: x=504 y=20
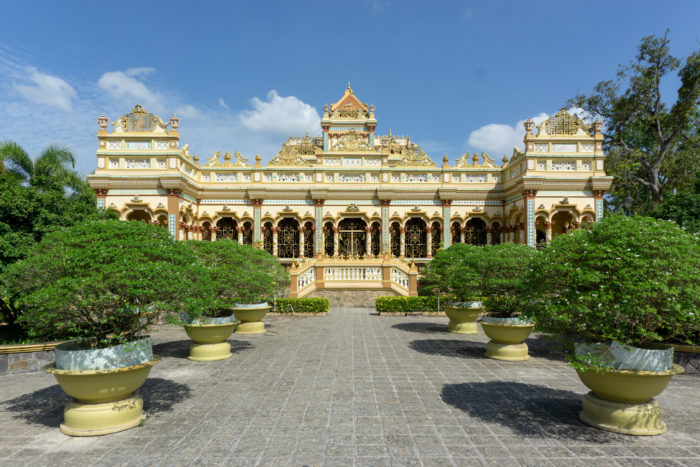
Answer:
x=425 y=328
x=528 y=410
x=181 y=348
x=45 y=406
x=449 y=348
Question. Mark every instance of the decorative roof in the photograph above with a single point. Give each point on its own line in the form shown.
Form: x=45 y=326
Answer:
x=413 y=156
x=139 y=120
x=562 y=123
x=288 y=157
x=349 y=106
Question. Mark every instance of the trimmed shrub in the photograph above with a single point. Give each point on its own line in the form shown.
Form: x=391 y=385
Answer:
x=408 y=304
x=302 y=305
x=635 y=280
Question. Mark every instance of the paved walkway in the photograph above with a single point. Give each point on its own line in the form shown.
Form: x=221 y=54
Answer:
x=349 y=388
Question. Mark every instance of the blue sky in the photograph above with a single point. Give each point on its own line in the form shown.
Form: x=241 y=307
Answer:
x=243 y=76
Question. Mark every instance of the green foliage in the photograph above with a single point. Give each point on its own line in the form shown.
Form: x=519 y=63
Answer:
x=635 y=280
x=681 y=208
x=53 y=168
x=408 y=304
x=240 y=273
x=503 y=306
x=650 y=148
x=107 y=280
x=469 y=272
x=302 y=305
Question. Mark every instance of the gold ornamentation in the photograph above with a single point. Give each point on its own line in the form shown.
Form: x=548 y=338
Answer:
x=562 y=124
x=414 y=157
x=348 y=111
x=288 y=157
x=139 y=120
x=214 y=161
x=352 y=208
x=486 y=161
x=351 y=141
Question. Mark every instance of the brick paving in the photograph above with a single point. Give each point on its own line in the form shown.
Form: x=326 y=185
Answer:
x=351 y=388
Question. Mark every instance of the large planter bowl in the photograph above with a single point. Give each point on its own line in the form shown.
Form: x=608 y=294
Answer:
x=210 y=341
x=622 y=401
x=250 y=317
x=507 y=340
x=463 y=317
x=103 y=400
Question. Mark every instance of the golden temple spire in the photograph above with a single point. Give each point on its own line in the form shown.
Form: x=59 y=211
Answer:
x=349 y=89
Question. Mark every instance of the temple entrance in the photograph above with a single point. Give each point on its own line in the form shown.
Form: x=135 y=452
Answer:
x=352 y=240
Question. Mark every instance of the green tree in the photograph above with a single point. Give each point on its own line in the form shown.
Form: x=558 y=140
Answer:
x=651 y=148
x=53 y=167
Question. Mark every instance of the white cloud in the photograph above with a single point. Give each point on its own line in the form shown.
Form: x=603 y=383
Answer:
x=124 y=86
x=281 y=116
x=498 y=138
x=45 y=89
x=222 y=103
x=188 y=111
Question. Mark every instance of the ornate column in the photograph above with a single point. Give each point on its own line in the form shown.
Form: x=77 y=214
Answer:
x=446 y=240
x=173 y=212
x=489 y=237
x=530 y=235
x=318 y=221
x=336 y=232
x=214 y=229
x=521 y=235
x=240 y=235
x=548 y=231
x=598 y=197
x=301 y=241
x=274 y=240
x=402 y=233
x=368 y=242
x=385 y=243
x=429 y=240
x=101 y=196
x=257 y=204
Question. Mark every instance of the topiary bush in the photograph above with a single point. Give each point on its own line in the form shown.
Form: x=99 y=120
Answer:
x=408 y=304
x=302 y=305
x=240 y=273
x=634 y=280
x=107 y=280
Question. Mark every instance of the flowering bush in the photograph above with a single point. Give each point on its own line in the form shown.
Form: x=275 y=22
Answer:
x=634 y=280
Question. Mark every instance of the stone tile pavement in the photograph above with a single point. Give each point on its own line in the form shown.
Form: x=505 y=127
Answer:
x=351 y=388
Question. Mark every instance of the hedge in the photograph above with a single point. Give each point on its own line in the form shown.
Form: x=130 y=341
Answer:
x=302 y=305
x=409 y=304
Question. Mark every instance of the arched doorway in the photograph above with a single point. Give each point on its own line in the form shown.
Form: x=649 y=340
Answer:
x=395 y=239
x=267 y=237
x=376 y=239
x=247 y=233
x=495 y=233
x=328 y=239
x=309 y=239
x=227 y=229
x=352 y=240
x=562 y=222
x=162 y=221
x=288 y=238
x=456 y=231
x=436 y=238
x=139 y=215
x=206 y=232
x=416 y=238
x=475 y=232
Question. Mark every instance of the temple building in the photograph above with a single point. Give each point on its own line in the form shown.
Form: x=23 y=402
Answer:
x=351 y=207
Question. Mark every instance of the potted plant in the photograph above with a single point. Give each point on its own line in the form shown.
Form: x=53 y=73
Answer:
x=242 y=276
x=106 y=281
x=618 y=290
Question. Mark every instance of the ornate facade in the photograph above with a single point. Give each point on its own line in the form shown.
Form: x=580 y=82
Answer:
x=351 y=192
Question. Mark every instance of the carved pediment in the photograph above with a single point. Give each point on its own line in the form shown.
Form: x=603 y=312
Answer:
x=351 y=141
x=414 y=157
x=139 y=120
x=562 y=123
x=288 y=157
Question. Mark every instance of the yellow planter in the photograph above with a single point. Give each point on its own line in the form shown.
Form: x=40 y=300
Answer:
x=463 y=320
x=622 y=401
x=103 y=400
x=507 y=341
x=210 y=341
x=250 y=319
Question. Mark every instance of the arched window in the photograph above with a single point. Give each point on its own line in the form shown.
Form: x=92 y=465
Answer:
x=475 y=232
x=436 y=239
x=395 y=239
x=562 y=222
x=376 y=240
x=353 y=238
x=456 y=231
x=227 y=229
x=247 y=233
x=267 y=237
x=309 y=239
x=495 y=233
x=139 y=215
x=328 y=240
x=206 y=231
x=288 y=238
x=162 y=221
x=416 y=238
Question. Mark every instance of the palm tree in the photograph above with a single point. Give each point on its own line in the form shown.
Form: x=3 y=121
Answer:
x=53 y=167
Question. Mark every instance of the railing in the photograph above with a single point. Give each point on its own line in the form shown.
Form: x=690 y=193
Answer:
x=386 y=273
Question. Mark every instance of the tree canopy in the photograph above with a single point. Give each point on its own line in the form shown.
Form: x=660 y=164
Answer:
x=54 y=166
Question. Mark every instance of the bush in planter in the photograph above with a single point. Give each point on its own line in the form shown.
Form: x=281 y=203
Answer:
x=633 y=280
x=106 y=280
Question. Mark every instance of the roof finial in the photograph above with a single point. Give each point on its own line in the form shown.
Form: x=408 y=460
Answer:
x=349 y=88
